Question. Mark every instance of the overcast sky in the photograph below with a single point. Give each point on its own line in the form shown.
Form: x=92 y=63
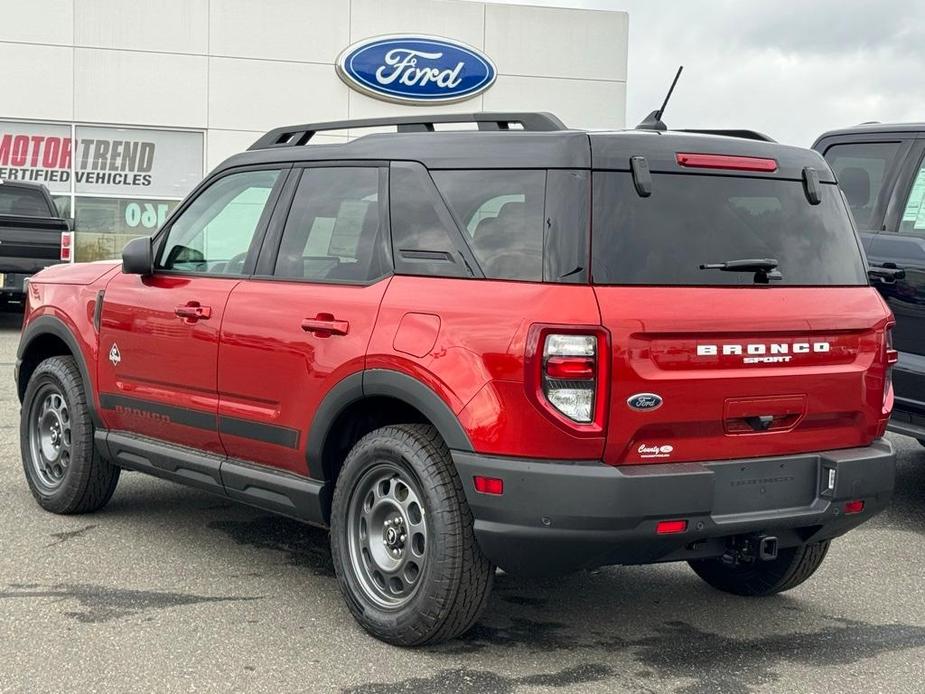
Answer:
x=789 y=68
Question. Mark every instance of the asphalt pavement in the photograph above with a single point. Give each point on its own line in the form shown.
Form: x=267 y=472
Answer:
x=170 y=589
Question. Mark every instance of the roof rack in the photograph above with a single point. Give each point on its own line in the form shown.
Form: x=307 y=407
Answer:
x=297 y=135
x=744 y=134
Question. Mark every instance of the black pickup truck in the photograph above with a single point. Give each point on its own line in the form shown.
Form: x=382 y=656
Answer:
x=880 y=167
x=32 y=236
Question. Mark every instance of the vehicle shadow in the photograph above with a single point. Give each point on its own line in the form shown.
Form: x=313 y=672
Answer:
x=636 y=626
x=907 y=509
x=661 y=619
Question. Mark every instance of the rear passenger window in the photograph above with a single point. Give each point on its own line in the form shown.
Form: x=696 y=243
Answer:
x=861 y=170
x=334 y=229
x=502 y=212
x=425 y=240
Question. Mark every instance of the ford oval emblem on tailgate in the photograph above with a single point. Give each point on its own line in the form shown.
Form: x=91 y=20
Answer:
x=644 y=401
x=415 y=69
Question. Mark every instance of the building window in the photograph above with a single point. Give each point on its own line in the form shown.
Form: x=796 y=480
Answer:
x=105 y=225
x=117 y=183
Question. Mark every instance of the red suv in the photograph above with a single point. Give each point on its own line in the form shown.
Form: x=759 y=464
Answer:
x=523 y=346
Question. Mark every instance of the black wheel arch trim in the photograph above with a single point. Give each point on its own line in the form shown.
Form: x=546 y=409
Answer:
x=381 y=382
x=51 y=325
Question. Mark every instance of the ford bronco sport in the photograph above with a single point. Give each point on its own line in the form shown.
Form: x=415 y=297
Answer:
x=528 y=347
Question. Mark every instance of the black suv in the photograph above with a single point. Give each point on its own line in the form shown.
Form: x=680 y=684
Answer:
x=881 y=169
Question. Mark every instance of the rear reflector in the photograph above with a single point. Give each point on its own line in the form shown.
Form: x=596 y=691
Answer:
x=855 y=506
x=489 y=485
x=670 y=527
x=726 y=161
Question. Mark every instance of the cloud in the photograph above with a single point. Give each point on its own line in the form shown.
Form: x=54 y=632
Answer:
x=789 y=68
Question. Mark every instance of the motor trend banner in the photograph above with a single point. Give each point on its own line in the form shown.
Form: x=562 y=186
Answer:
x=109 y=161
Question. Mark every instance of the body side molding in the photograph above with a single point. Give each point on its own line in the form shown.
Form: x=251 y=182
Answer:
x=254 y=485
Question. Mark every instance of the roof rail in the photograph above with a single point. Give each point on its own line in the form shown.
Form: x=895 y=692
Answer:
x=297 y=135
x=744 y=134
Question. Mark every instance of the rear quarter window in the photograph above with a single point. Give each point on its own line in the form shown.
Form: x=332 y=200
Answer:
x=691 y=220
x=502 y=215
x=861 y=169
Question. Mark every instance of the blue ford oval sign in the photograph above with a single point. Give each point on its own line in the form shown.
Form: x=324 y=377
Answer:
x=416 y=69
x=644 y=401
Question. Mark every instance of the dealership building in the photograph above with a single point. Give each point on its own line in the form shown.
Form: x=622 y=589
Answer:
x=120 y=108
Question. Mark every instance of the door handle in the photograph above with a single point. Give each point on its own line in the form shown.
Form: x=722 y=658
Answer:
x=192 y=311
x=325 y=325
x=886 y=273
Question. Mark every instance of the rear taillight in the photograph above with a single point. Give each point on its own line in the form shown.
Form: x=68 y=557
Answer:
x=567 y=374
x=569 y=381
x=67 y=238
x=890 y=357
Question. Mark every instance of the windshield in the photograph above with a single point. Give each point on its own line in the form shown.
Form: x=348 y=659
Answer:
x=692 y=220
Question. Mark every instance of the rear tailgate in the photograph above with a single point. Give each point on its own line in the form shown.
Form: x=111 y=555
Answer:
x=28 y=244
x=742 y=372
x=736 y=295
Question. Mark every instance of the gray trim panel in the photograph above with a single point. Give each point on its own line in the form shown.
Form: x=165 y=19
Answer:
x=557 y=516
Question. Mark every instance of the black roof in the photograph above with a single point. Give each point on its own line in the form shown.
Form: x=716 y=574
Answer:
x=542 y=142
x=877 y=128
x=22 y=184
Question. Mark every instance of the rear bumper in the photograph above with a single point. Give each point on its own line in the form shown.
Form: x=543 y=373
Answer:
x=907 y=419
x=557 y=516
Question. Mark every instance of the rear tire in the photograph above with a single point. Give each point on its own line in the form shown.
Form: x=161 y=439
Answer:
x=404 y=550
x=761 y=578
x=65 y=473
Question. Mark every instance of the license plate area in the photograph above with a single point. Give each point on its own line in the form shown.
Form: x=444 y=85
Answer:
x=764 y=485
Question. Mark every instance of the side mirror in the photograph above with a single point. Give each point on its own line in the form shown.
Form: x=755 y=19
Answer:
x=138 y=257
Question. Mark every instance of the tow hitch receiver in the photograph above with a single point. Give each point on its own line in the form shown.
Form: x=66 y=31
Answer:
x=749 y=548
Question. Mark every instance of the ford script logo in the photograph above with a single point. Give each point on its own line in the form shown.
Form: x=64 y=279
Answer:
x=416 y=69
x=644 y=401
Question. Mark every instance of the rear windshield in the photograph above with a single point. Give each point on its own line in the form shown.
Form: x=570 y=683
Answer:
x=27 y=202
x=690 y=220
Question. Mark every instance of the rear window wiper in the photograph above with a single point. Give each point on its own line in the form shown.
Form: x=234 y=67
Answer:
x=765 y=269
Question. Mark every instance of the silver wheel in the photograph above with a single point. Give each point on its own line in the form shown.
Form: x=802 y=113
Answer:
x=50 y=437
x=387 y=535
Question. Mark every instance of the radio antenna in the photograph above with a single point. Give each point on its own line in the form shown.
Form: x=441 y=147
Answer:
x=654 y=120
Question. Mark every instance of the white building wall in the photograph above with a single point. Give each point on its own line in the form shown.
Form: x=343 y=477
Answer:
x=236 y=68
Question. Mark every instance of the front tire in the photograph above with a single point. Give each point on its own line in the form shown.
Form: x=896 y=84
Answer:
x=761 y=578
x=63 y=469
x=404 y=550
